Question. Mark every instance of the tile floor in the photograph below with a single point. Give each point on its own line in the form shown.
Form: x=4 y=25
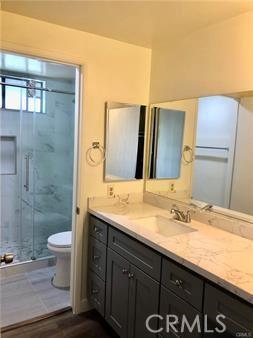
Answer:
x=30 y=294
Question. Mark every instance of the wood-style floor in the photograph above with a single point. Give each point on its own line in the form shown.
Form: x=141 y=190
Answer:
x=87 y=325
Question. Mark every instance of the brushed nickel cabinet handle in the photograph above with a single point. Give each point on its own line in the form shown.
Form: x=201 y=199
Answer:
x=130 y=275
x=94 y=291
x=179 y=283
x=124 y=271
x=97 y=230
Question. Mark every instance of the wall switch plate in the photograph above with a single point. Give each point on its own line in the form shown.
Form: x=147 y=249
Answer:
x=110 y=191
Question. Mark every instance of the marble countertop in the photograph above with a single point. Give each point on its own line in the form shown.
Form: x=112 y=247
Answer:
x=222 y=257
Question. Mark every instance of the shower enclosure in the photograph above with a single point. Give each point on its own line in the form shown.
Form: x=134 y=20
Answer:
x=37 y=125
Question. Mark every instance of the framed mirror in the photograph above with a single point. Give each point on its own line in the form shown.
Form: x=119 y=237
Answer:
x=166 y=135
x=125 y=139
x=215 y=157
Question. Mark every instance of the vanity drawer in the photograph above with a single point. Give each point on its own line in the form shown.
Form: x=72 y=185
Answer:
x=98 y=229
x=170 y=304
x=96 y=292
x=136 y=253
x=183 y=283
x=239 y=315
x=97 y=257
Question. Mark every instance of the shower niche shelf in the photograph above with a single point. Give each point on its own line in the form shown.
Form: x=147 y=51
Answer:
x=8 y=155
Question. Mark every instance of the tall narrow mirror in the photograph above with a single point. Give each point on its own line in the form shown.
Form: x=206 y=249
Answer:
x=167 y=131
x=171 y=130
x=125 y=133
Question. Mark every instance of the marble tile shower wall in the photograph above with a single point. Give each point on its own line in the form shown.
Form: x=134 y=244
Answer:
x=28 y=218
x=10 y=208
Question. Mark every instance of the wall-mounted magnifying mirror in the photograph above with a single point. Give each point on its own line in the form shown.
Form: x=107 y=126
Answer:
x=211 y=155
x=125 y=136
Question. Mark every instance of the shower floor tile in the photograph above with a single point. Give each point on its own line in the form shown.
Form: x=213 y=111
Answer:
x=30 y=294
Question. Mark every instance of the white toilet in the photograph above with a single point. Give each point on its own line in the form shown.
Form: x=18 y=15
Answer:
x=60 y=246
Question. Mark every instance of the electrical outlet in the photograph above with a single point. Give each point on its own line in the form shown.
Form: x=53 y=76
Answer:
x=110 y=191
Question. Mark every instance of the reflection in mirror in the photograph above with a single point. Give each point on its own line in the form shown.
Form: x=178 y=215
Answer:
x=167 y=130
x=214 y=150
x=219 y=130
x=125 y=132
x=177 y=187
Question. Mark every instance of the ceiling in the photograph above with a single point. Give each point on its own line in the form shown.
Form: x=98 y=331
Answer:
x=143 y=23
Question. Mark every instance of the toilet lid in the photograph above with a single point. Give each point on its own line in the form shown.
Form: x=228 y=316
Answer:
x=60 y=240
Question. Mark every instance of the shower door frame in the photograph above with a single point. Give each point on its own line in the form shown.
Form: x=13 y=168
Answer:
x=75 y=288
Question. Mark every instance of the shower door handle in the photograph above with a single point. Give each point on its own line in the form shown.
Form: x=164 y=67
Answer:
x=27 y=169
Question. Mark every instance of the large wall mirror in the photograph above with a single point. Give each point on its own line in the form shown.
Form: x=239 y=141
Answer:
x=125 y=138
x=212 y=152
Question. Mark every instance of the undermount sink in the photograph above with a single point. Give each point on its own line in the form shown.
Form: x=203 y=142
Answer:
x=164 y=226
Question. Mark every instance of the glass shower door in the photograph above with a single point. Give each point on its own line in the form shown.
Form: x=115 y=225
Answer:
x=53 y=149
x=37 y=196
x=17 y=200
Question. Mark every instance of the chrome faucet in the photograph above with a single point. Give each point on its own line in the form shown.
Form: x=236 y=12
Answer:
x=181 y=215
x=207 y=207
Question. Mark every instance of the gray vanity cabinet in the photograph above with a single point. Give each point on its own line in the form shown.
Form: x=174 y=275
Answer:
x=143 y=302
x=97 y=252
x=128 y=281
x=171 y=304
x=131 y=296
x=145 y=258
x=117 y=292
x=96 y=292
x=238 y=314
x=97 y=257
x=183 y=283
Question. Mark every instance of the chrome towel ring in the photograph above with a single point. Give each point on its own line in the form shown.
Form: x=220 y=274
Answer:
x=90 y=154
x=187 y=155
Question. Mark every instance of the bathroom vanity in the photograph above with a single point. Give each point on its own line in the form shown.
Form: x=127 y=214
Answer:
x=137 y=269
x=141 y=260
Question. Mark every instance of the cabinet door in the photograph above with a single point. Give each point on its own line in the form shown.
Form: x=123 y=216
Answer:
x=238 y=314
x=96 y=292
x=136 y=253
x=97 y=257
x=143 y=302
x=172 y=305
x=98 y=229
x=117 y=292
x=183 y=283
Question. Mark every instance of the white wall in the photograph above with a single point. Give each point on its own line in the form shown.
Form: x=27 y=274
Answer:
x=214 y=60
x=112 y=71
x=242 y=188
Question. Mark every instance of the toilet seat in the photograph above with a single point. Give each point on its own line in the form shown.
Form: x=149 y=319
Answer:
x=60 y=240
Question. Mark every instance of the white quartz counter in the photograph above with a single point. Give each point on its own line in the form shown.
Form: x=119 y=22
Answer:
x=222 y=257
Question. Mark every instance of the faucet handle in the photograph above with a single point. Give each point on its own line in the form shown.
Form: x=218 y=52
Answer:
x=188 y=216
